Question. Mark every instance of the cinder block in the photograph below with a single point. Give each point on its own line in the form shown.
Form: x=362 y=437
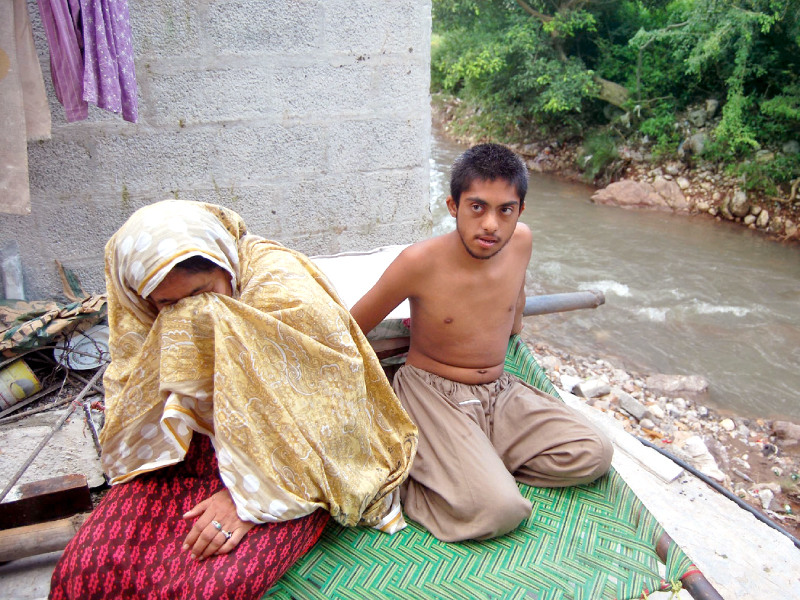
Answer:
x=192 y=97
x=367 y=238
x=79 y=228
x=399 y=195
x=372 y=145
x=248 y=27
x=369 y=27
x=331 y=203
x=165 y=28
x=313 y=245
x=401 y=89
x=257 y=205
x=169 y=161
x=323 y=90
x=165 y=161
x=270 y=152
x=60 y=166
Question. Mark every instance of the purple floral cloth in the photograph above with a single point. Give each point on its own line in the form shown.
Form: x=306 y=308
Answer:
x=91 y=56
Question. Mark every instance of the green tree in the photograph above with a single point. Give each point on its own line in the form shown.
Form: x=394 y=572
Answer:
x=739 y=48
x=519 y=57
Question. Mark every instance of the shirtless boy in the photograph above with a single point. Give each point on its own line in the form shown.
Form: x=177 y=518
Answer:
x=479 y=427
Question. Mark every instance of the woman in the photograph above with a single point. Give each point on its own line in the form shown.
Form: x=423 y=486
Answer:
x=240 y=399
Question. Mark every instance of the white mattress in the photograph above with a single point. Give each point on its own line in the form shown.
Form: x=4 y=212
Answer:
x=354 y=273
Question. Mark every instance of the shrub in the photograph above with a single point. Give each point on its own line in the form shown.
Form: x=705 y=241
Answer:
x=599 y=151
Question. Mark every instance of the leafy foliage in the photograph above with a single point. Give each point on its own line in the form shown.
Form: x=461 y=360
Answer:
x=766 y=177
x=738 y=47
x=599 y=151
x=662 y=131
x=539 y=64
x=786 y=106
x=495 y=54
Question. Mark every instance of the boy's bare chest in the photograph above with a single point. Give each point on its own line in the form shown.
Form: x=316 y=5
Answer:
x=466 y=301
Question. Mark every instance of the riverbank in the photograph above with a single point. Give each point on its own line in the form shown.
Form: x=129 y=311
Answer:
x=756 y=459
x=690 y=185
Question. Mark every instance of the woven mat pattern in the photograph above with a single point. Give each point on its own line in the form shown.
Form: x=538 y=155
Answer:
x=585 y=542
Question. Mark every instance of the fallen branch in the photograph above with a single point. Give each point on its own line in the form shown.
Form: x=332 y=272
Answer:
x=36 y=411
x=87 y=409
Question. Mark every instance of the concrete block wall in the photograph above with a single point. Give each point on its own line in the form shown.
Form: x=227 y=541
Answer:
x=310 y=118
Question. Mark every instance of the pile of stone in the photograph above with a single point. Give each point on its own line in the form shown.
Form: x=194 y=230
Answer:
x=756 y=459
x=691 y=184
x=676 y=187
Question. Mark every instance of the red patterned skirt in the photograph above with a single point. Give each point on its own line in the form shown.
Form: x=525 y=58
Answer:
x=130 y=547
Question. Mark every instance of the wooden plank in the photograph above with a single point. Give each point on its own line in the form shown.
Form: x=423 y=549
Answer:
x=38 y=539
x=45 y=500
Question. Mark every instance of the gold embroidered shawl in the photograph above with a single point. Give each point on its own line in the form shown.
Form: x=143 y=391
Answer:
x=280 y=376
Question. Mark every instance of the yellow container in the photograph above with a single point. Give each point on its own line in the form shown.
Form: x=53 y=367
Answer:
x=17 y=381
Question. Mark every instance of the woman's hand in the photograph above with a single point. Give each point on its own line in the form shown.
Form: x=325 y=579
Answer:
x=205 y=538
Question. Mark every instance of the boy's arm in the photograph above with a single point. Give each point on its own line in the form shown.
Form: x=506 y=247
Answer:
x=517 y=328
x=390 y=290
x=525 y=238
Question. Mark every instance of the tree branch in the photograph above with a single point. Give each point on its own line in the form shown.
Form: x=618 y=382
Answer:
x=534 y=13
x=639 y=58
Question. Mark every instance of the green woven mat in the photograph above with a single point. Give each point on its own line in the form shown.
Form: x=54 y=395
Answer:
x=585 y=542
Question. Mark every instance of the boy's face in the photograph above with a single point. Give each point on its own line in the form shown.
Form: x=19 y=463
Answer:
x=486 y=216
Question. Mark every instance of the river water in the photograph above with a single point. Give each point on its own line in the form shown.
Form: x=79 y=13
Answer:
x=684 y=295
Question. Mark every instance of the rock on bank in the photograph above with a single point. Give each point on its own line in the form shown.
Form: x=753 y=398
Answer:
x=660 y=195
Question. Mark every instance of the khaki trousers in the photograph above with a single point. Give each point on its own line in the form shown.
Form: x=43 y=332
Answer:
x=475 y=440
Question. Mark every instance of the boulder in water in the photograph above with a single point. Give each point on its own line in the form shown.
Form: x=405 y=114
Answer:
x=635 y=194
x=674 y=384
x=671 y=192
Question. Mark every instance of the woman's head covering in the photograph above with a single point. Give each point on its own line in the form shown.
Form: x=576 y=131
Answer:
x=159 y=236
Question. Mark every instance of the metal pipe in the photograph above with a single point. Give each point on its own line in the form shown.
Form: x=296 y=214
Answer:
x=552 y=303
x=695 y=582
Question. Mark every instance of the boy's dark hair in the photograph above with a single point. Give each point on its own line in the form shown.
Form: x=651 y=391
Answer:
x=488 y=162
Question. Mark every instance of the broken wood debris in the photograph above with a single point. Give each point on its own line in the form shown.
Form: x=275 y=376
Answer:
x=56 y=427
x=46 y=500
x=38 y=539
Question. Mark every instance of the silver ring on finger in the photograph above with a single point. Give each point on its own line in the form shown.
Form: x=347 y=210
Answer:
x=217 y=525
x=227 y=534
